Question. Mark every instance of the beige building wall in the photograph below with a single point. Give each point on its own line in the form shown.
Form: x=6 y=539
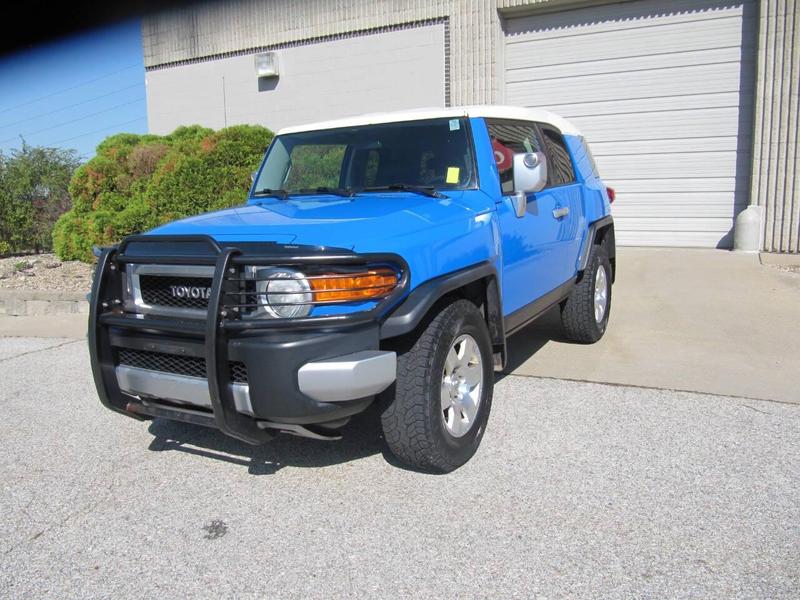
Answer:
x=228 y=27
x=392 y=70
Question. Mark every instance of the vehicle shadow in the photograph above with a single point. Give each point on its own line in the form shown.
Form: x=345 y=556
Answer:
x=525 y=343
x=360 y=438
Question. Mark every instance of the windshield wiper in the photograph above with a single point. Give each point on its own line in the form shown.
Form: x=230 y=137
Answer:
x=344 y=192
x=267 y=193
x=425 y=190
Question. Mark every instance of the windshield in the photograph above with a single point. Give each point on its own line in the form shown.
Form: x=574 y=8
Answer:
x=435 y=154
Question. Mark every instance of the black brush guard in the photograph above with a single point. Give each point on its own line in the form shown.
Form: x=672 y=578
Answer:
x=222 y=321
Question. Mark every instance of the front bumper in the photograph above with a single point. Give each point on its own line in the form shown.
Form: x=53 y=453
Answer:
x=340 y=379
x=312 y=371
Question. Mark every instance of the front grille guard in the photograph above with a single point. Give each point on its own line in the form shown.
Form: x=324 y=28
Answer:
x=222 y=322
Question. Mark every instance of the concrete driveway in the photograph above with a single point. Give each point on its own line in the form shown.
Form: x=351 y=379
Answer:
x=701 y=320
x=579 y=490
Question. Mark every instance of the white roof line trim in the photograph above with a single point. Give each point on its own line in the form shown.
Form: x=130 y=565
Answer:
x=485 y=111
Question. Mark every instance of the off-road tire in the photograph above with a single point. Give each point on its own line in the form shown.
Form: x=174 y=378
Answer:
x=411 y=415
x=577 y=311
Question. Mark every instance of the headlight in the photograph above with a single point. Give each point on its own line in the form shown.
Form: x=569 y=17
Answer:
x=282 y=293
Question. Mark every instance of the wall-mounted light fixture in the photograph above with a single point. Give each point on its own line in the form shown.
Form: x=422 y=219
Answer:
x=267 y=64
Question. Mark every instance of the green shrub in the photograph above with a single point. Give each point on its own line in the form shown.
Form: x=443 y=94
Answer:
x=137 y=182
x=69 y=238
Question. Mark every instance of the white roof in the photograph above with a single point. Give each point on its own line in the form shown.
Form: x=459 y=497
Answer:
x=418 y=114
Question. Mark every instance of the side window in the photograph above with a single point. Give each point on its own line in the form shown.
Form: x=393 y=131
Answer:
x=509 y=138
x=589 y=154
x=559 y=169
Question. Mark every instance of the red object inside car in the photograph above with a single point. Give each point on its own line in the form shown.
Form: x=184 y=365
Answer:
x=503 y=156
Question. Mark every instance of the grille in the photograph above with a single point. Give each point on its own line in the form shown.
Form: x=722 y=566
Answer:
x=192 y=366
x=158 y=290
x=238 y=372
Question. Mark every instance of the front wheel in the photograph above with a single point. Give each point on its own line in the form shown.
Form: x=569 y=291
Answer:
x=435 y=414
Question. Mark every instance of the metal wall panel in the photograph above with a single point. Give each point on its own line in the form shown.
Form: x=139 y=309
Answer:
x=663 y=93
x=776 y=156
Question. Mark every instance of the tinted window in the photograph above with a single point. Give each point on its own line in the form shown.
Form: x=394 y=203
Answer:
x=509 y=138
x=589 y=154
x=315 y=165
x=436 y=152
x=559 y=169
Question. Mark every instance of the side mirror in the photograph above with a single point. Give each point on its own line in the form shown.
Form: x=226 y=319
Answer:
x=530 y=172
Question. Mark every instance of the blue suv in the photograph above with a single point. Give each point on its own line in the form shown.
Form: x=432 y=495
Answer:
x=383 y=258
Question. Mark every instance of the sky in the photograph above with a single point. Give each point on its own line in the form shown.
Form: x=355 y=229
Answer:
x=74 y=92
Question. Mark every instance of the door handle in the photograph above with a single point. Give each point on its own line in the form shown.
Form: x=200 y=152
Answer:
x=560 y=212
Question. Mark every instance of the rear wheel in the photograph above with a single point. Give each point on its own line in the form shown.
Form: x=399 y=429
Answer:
x=585 y=312
x=435 y=414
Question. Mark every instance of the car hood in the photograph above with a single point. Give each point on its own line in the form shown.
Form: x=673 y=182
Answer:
x=330 y=220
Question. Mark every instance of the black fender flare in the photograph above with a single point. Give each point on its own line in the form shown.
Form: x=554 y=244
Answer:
x=418 y=303
x=596 y=229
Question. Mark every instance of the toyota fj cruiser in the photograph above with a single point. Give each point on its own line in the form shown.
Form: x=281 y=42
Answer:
x=379 y=258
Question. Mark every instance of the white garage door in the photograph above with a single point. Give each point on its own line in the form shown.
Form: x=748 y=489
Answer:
x=663 y=92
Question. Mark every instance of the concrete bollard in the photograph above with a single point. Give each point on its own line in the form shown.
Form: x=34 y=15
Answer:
x=747 y=231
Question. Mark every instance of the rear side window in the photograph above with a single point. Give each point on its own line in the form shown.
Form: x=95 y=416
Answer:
x=509 y=138
x=595 y=170
x=559 y=170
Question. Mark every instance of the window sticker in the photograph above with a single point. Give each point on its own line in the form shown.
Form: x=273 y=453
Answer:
x=452 y=174
x=454 y=125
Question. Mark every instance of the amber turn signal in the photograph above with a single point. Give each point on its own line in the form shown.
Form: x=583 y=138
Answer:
x=353 y=286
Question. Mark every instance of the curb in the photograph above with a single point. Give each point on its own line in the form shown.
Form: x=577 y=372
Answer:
x=783 y=260
x=35 y=303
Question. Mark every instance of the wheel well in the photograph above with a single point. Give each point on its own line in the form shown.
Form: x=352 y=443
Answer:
x=485 y=294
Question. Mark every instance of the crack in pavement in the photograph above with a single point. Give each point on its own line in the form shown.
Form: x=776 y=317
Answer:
x=53 y=347
x=503 y=374
x=87 y=508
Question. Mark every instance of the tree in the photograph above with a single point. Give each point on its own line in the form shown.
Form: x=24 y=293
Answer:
x=33 y=195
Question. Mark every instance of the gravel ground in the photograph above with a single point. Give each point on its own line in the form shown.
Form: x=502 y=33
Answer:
x=579 y=490
x=793 y=269
x=44 y=272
